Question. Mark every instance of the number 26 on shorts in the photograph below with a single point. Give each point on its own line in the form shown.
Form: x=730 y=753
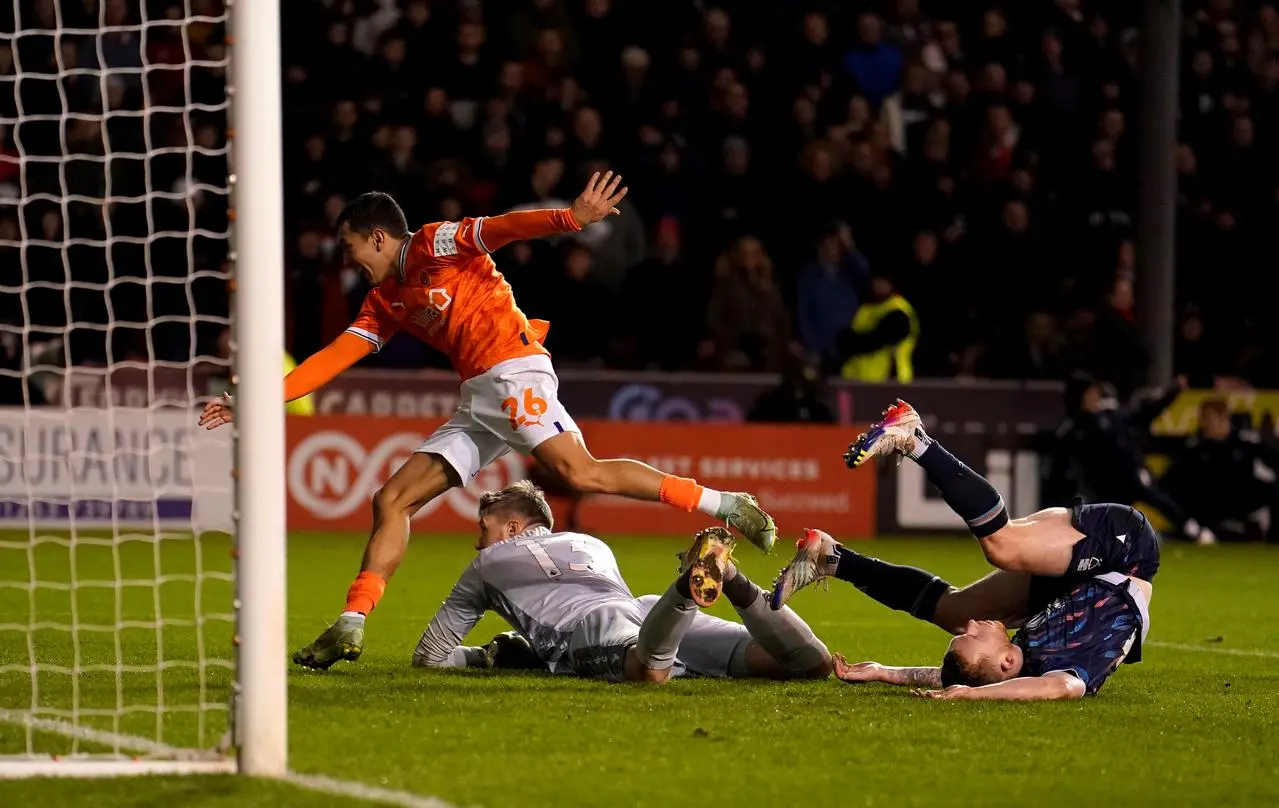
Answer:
x=525 y=412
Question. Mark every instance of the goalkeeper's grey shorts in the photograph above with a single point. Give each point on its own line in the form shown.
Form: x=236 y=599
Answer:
x=598 y=646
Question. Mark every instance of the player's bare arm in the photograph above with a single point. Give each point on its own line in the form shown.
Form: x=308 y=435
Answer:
x=863 y=672
x=1056 y=686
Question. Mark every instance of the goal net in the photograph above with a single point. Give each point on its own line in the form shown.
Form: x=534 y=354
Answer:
x=117 y=584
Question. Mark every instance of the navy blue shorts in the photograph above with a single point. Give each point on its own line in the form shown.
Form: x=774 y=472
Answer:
x=1117 y=538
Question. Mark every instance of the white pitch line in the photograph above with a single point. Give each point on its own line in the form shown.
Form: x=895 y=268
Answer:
x=351 y=788
x=197 y=761
x=1208 y=649
x=115 y=740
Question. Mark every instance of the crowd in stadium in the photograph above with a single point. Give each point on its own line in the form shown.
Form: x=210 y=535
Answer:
x=982 y=161
x=787 y=167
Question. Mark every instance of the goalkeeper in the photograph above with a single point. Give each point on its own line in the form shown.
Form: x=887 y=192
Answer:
x=566 y=598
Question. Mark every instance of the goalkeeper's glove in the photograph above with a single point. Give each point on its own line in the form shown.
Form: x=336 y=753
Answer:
x=511 y=651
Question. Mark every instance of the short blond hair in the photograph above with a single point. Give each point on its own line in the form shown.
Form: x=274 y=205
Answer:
x=522 y=499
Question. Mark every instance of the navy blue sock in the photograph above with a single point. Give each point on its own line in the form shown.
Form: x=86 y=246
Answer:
x=906 y=589
x=966 y=492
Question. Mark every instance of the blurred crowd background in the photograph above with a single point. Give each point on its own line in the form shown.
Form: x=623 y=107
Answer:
x=790 y=165
x=792 y=162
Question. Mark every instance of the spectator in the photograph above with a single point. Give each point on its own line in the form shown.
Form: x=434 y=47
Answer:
x=662 y=303
x=1194 y=353
x=1121 y=357
x=830 y=290
x=1038 y=354
x=880 y=345
x=747 y=317
x=580 y=308
x=16 y=387
x=876 y=65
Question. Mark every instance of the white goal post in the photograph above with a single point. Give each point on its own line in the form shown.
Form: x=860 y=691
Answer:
x=142 y=559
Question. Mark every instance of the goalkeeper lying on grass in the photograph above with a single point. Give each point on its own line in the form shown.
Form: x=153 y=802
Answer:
x=1075 y=582
x=566 y=598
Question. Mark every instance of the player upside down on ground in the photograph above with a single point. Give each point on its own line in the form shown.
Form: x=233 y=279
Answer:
x=440 y=285
x=564 y=593
x=1075 y=582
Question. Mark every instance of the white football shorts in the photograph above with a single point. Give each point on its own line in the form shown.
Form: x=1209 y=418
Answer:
x=513 y=405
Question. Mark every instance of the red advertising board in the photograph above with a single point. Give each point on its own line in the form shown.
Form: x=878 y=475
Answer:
x=336 y=463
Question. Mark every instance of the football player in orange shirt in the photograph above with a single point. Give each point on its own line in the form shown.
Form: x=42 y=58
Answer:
x=441 y=285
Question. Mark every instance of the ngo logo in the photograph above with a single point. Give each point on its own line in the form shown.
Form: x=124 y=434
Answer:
x=332 y=475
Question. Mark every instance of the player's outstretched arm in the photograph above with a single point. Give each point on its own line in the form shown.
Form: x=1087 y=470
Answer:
x=318 y=370
x=324 y=365
x=884 y=674
x=598 y=201
x=1056 y=686
x=441 y=643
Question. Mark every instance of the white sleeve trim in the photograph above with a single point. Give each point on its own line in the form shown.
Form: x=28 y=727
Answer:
x=479 y=237
x=367 y=336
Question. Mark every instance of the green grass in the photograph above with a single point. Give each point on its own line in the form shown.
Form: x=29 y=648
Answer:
x=1192 y=725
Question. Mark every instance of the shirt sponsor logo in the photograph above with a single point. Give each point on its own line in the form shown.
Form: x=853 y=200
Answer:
x=446 y=239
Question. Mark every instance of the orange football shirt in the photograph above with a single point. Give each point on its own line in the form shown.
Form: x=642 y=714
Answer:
x=449 y=293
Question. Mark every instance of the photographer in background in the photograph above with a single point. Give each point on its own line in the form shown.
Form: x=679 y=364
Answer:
x=798 y=399
x=1226 y=477
x=1099 y=451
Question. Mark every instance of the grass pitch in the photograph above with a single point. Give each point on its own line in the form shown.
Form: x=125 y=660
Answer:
x=1196 y=724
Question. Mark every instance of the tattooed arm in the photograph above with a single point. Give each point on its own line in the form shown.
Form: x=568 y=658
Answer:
x=875 y=672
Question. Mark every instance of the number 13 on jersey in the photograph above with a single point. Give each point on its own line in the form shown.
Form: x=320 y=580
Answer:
x=547 y=563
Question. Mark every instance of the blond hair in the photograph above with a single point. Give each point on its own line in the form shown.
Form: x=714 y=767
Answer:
x=522 y=499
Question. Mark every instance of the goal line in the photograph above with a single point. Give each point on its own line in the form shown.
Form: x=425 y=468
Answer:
x=154 y=758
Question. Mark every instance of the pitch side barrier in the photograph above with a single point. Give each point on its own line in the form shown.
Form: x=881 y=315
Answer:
x=1001 y=428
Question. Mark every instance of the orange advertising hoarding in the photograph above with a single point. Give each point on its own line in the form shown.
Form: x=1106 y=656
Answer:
x=336 y=463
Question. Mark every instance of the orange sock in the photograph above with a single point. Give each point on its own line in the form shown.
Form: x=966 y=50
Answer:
x=682 y=492
x=365 y=592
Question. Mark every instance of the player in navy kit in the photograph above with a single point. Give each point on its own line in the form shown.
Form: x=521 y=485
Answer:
x=1074 y=582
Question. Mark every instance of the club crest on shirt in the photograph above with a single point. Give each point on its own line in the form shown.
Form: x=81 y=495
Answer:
x=1090 y=563
x=1038 y=620
x=439 y=298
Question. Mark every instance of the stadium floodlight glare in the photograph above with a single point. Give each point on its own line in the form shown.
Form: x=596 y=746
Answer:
x=140 y=183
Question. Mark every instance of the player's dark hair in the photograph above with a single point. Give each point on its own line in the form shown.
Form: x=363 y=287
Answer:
x=522 y=499
x=955 y=671
x=374 y=209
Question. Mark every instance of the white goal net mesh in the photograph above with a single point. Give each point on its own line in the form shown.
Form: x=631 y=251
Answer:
x=116 y=587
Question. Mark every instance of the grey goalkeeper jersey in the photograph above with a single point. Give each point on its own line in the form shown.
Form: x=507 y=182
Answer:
x=540 y=582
